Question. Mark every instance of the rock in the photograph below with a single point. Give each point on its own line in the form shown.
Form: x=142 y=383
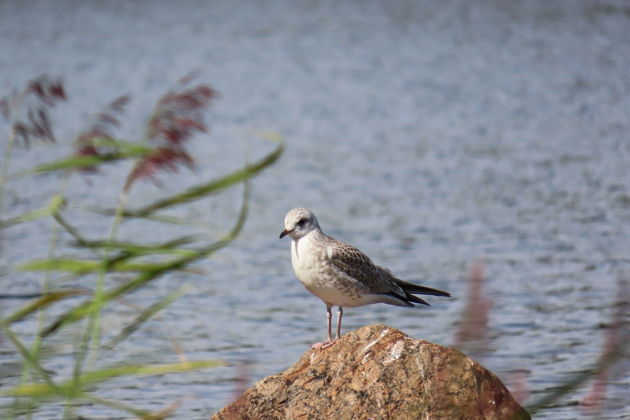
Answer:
x=378 y=372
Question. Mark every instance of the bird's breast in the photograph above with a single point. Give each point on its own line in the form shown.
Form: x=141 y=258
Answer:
x=305 y=261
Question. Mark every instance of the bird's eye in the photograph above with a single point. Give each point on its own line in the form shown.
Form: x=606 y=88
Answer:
x=301 y=222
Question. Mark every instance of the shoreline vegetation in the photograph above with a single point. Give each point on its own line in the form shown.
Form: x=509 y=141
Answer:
x=177 y=117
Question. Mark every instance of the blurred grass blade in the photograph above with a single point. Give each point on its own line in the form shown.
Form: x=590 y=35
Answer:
x=140 y=413
x=68 y=265
x=86 y=266
x=26 y=217
x=56 y=203
x=127 y=148
x=74 y=232
x=68 y=387
x=43 y=302
x=162 y=218
x=81 y=311
x=92 y=377
x=145 y=315
x=131 y=248
x=119 y=150
x=75 y=162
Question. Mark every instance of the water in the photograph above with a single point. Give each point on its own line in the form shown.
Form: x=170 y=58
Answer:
x=430 y=135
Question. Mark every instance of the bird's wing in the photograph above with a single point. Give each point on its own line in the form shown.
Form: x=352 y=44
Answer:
x=355 y=264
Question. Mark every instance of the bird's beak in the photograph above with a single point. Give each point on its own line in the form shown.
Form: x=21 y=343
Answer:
x=284 y=233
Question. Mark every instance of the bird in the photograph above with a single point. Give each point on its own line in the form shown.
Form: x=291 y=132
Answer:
x=340 y=274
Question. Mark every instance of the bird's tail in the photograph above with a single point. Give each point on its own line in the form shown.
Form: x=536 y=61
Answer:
x=412 y=288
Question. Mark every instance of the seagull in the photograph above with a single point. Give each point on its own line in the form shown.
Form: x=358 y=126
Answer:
x=341 y=275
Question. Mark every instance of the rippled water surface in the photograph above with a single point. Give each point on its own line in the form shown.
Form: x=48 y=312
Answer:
x=429 y=134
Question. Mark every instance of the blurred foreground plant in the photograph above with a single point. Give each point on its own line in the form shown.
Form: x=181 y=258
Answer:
x=176 y=117
x=472 y=335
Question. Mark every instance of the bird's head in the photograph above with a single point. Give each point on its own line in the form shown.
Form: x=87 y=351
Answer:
x=298 y=222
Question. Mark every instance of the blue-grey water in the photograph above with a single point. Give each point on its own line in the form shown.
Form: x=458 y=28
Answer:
x=430 y=134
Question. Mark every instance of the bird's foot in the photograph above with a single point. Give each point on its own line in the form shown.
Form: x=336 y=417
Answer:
x=324 y=345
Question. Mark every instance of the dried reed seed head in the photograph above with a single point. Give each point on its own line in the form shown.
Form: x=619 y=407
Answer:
x=100 y=128
x=163 y=158
x=104 y=121
x=178 y=114
x=33 y=103
x=49 y=90
x=119 y=103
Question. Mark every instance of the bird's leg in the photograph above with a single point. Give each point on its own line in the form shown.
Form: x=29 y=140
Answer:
x=330 y=340
x=329 y=318
x=339 y=316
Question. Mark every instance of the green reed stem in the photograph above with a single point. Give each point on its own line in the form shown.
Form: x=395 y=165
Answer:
x=41 y=315
x=90 y=339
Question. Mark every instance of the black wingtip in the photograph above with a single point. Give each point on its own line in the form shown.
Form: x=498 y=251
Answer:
x=416 y=299
x=422 y=290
